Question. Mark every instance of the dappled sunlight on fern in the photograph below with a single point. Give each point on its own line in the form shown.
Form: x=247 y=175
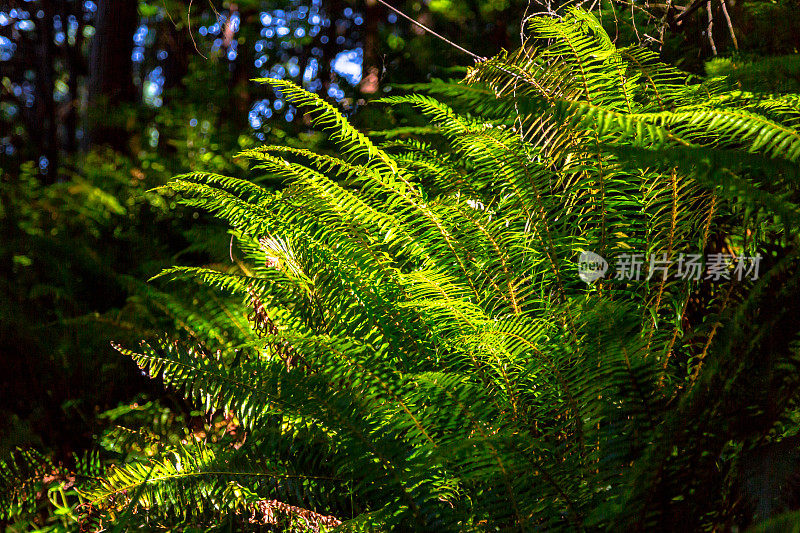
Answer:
x=424 y=355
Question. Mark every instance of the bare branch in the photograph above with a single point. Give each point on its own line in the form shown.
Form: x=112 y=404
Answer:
x=730 y=25
x=476 y=57
x=711 y=27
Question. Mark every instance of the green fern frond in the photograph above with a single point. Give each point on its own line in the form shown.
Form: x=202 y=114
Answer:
x=352 y=142
x=424 y=351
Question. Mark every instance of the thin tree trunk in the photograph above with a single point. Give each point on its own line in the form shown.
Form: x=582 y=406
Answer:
x=75 y=67
x=45 y=87
x=111 y=76
x=241 y=97
x=371 y=69
x=710 y=28
x=333 y=10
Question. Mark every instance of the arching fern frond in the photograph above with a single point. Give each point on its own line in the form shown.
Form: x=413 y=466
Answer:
x=428 y=354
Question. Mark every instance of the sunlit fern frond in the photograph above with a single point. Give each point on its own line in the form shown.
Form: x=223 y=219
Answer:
x=424 y=352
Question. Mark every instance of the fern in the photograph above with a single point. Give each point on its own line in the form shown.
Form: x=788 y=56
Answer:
x=423 y=354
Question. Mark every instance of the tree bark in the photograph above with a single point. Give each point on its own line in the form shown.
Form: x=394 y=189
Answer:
x=177 y=45
x=111 y=70
x=76 y=68
x=333 y=10
x=242 y=70
x=45 y=85
x=371 y=70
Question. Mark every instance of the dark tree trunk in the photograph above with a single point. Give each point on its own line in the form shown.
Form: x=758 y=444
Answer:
x=333 y=10
x=111 y=74
x=76 y=68
x=242 y=71
x=176 y=43
x=46 y=109
x=371 y=67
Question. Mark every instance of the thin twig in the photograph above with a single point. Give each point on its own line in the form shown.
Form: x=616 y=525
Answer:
x=191 y=36
x=663 y=26
x=711 y=27
x=214 y=9
x=514 y=75
x=169 y=15
x=616 y=19
x=633 y=23
x=694 y=6
x=523 y=43
x=476 y=57
x=730 y=25
x=639 y=8
x=522 y=37
x=655 y=40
